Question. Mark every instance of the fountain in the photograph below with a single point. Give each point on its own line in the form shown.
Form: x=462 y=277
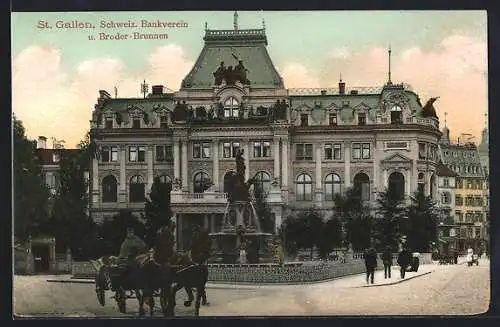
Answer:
x=241 y=239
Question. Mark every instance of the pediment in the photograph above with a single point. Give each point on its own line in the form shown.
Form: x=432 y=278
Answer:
x=362 y=106
x=161 y=109
x=396 y=158
x=135 y=111
x=303 y=107
x=333 y=106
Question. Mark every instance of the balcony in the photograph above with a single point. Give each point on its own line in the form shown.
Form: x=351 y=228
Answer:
x=179 y=197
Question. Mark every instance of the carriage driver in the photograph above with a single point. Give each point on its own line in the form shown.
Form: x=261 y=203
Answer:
x=132 y=246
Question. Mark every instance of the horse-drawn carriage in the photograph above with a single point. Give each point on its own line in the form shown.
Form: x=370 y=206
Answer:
x=149 y=279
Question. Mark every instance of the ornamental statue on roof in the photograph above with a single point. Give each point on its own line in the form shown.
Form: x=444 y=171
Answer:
x=230 y=75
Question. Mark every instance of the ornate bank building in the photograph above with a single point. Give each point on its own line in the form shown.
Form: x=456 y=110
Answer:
x=302 y=146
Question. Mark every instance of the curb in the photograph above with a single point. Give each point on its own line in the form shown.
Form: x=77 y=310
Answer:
x=398 y=281
x=71 y=281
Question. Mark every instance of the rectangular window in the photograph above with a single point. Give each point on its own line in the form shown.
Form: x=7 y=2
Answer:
x=109 y=154
x=332 y=120
x=459 y=216
x=303 y=152
x=163 y=122
x=362 y=119
x=421 y=151
x=164 y=153
x=196 y=150
x=446 y=182
x=304 y=120
x=366 y=150
x=261 y=149
x=333 y=151
x=230 y=149
x=458 y=200
x=136 y=123
x=356 y=150
x=108 y=124
x=137 y=153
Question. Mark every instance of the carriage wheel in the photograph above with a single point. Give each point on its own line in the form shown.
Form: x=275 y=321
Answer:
x=121 y=301
x=101 y=297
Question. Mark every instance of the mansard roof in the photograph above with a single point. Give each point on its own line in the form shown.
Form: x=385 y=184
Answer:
x=229 y=46
x=444 y=171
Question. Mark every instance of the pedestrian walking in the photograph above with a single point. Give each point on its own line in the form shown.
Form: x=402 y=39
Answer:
x=387 y=261
x=371 y=264
x=404 y=259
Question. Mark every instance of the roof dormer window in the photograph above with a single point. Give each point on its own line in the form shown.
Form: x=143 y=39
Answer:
x=396 y=115
x=136 y=123
x=55 y=157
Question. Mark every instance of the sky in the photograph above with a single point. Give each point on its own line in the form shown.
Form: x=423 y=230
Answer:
x=57 y=72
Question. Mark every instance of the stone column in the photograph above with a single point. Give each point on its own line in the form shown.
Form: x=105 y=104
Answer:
x=427 y=183
x=284 y=163
x=177 y=160
x=318 y=188
x=414 y=176
x=347 y=165
x=276 y=154
x=179 y=232
x=407 y=175
x=215 y=158
x=247 y=159
x=205 y=221
x=149 y=159
x=212 y=223
x=385 y=181
x=174 y=220
x=95 y=180
x=377 y=145
x=184 y=164
x=277 y=220
x=123 y=181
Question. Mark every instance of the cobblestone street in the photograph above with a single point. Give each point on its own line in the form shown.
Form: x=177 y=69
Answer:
x=440 y=290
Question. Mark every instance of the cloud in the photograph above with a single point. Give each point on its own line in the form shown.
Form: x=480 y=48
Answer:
x=50 y=102
x=455 y=70
x=297 y=76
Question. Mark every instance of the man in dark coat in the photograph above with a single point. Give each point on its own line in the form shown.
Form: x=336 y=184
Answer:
x=370 y=263
x=404 y=259
x=387 y=261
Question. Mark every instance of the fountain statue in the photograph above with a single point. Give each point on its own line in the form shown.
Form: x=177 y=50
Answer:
x=241 y=239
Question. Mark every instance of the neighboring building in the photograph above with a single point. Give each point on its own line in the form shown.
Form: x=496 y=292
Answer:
x=471 y=208
x=447 y=229
x=302 y=145
x=49 y=162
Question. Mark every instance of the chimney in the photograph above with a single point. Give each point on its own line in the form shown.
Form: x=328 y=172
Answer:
x=157 y=89
x=341 y=87
x=42 y=142
x=323 y=92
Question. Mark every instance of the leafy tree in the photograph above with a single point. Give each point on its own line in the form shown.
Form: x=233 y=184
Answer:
x=70 y=222
x=112 y=232
x=389 y=224
x=263 y=210
x=422 y=222
x=31 y=195
x=157 y=209
x=358 y=224
x=331 y=236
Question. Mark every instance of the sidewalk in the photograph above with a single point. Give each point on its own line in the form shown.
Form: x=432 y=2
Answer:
x=351 y=281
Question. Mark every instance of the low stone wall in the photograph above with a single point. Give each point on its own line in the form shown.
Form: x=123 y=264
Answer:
x=298 y=272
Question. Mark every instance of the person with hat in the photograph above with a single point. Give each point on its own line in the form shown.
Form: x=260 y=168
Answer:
x=132 y=246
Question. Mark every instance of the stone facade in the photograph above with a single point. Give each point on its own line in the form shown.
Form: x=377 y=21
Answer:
x=294 y=139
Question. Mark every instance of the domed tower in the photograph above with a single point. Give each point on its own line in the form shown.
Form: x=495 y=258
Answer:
x=445 y=138
x=483 y=147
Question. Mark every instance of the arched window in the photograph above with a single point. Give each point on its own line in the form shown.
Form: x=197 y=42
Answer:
x=421 y=183
x=201 y=182
x=227 y=181
x=433 y=186
x=136 y=189
x=231 y=107
x=262 y=184
x=164 y=179
x=396 y=115
x=332 y=186
x=362 y=186
x=397 y=184
x=109 y=189
x=303 y=189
